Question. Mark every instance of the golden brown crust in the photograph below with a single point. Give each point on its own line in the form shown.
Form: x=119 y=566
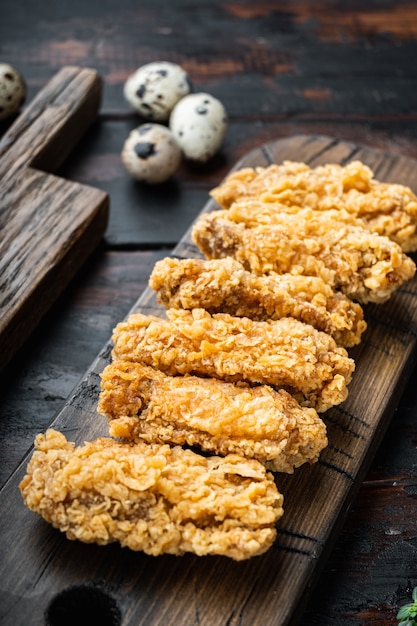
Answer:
x=387 y=209
x=363 y=265
x=283 y=353
x=224 y=286
x=220 y=417
x=152 y=497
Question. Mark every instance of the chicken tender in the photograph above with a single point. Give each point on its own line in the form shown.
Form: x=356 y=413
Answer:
x=284 y=353
x=387 y=209
x=152 y=497
x=224 y=286
x=255 y=422
x=364 y=266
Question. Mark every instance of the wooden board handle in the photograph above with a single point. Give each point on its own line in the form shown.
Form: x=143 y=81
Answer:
x=48 y=226
x=52 y=125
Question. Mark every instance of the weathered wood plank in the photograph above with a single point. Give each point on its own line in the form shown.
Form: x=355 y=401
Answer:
x=48 y=226
x=373 y=564
x=301 y=58
x=215 y=591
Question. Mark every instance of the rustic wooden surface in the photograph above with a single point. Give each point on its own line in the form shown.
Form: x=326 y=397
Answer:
x=340 y=69
x=48 y=226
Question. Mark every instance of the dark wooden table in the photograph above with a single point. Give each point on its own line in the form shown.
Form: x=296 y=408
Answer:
x=341 y=69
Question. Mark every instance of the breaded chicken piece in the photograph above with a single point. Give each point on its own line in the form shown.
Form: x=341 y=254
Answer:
x=284 y=353
x=152 y=497
x=387 y=209
x=219 y=417
x=224 y=286
x=363 y=265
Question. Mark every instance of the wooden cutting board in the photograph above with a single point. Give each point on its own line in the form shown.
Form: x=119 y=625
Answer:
x=38 y=565
x=48 y=225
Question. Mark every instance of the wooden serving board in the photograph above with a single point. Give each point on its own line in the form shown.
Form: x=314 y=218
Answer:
x=48 y=225
x=37 y=562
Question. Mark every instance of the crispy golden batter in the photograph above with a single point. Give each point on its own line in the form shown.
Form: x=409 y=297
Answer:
x=363 y=265
x=283 y=353
x=152 y=497
x=255 y=422
x=224 y=286
x=388 y=209
x=311 y=223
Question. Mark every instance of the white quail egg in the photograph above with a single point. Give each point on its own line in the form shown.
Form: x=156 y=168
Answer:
x=154 y=89
x=12 y=90
x=199 y=123
x=151 y=154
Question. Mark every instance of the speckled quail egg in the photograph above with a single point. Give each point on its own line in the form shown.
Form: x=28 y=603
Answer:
x=199 y=123
x=154 y=89
x=151 y=154
x=12 y=90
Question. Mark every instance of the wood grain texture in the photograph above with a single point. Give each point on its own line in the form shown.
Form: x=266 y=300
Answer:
x=48 y=226
x=301 y=57
x=214 y=591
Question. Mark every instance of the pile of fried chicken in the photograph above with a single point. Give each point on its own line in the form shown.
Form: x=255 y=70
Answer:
x=205 y=403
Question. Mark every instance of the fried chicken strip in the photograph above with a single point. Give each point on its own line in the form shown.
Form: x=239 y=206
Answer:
x=364 y=266
x=224 y=286
x=284 y=353
x=387 y=209
x=220 y=417
x=152 y=497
